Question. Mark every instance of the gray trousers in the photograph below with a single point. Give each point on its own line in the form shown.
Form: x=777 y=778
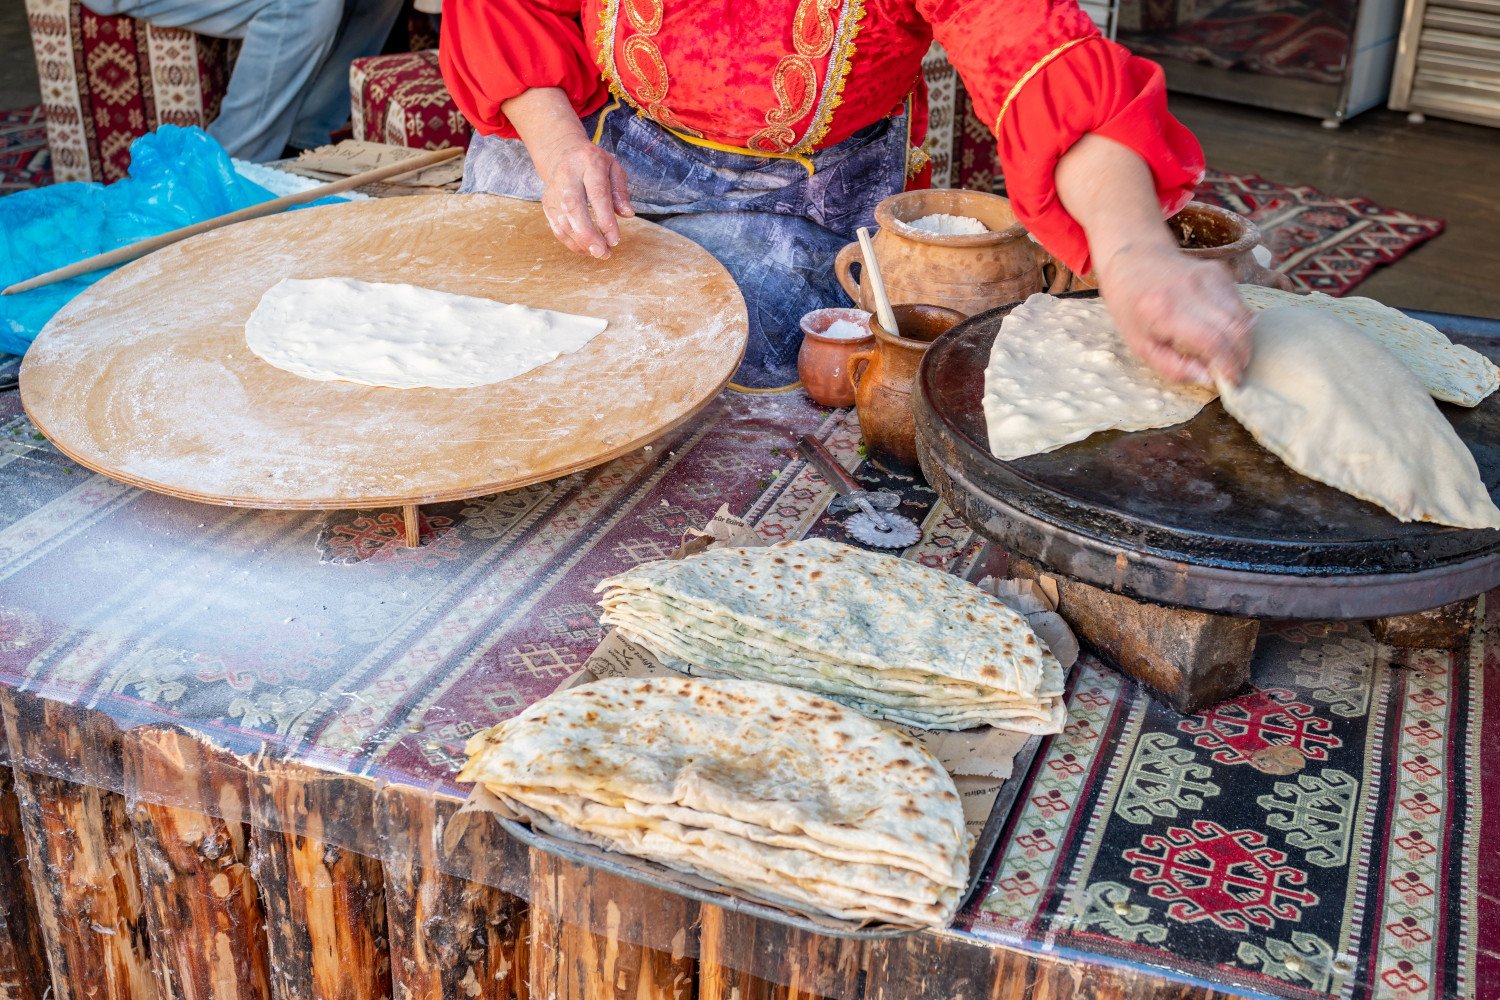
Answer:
x=291 y=82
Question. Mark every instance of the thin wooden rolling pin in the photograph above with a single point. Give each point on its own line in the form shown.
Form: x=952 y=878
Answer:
x=140 y=248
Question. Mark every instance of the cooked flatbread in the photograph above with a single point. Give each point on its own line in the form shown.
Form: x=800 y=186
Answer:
x=886 y=635
x=754 y=786
x=1451 y=372
x=1338 y=407
x=1059 y=372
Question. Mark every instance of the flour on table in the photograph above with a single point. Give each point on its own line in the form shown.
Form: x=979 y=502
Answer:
x=405 y=337
x=949 y=225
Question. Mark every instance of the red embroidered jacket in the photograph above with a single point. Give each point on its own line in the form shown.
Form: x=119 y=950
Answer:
x=792 y=76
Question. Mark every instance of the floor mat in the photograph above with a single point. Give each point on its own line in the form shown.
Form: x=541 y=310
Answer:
x=1325 y=243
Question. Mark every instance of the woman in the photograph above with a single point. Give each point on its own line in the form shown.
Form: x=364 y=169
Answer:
x=768 y=130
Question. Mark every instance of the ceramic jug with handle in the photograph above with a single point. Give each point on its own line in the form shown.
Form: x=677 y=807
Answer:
x=969 y=273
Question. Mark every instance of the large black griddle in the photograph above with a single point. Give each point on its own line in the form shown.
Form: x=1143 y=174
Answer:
x=1199 y=515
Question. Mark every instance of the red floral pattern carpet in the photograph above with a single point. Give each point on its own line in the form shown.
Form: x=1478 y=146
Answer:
x=1325 y=243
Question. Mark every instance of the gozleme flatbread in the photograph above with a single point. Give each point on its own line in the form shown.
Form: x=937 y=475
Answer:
x=1451 y=372
x=754 y=786
x=1336 y=406
x=1059 y=372
x=888 y=636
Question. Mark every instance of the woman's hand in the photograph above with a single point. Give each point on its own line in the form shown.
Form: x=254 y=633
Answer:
x=585 y=191
x=585 y=185
x=1181 y=316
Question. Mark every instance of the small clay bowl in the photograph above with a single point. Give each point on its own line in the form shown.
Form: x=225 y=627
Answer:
x=823 y=362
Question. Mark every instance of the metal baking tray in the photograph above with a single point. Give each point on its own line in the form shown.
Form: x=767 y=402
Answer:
x=700 y=890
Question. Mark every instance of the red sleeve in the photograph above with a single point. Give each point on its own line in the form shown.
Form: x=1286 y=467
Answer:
x=493 y=50
x=1101 y=88
x=1040 y=72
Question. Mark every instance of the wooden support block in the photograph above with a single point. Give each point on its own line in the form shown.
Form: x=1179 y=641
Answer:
x=1189 y=660
x=324 y=905
x=413 y=524
x=81 y=855
x=207 y=933
x=23 y=955
x=451 y=936
x=586 y=929
x=743 y=958
x=1448 y=627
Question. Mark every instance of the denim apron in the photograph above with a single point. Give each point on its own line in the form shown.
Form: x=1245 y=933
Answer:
x=775 y=223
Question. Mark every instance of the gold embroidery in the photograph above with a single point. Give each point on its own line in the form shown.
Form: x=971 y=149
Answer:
x=838 y=75
x=646 y=25
x=813 y=37
x=1036 y=68
x=642 y=57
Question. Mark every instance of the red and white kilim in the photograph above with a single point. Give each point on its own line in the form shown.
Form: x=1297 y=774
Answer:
x=107 y=80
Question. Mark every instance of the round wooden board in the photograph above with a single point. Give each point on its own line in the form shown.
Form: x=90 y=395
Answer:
x=145 y=377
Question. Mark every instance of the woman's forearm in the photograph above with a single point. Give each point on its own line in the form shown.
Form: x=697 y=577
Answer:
x=547 y=124
x=584 y=187
x=1181 y=315
x=1108 y=189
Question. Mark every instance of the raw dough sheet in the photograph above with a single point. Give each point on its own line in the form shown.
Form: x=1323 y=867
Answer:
x=405 y=337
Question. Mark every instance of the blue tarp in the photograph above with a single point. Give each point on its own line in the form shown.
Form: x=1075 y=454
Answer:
x=178 y=176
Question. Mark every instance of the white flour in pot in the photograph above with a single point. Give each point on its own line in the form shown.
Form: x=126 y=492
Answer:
x=844 y=329
x=949 y=225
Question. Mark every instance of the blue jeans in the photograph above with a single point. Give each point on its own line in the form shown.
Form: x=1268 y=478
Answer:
x=290 y=84
x=774 y=225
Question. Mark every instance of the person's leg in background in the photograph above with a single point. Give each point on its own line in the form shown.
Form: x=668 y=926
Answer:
x=325 y=106
x=286 y=43
x=784 y=267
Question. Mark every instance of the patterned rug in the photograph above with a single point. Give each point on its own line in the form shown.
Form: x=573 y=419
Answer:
x=24 y=160
x=1325 y=243
x=1315 y=838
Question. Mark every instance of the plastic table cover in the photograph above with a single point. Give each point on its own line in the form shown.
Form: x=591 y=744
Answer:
x=314 y=649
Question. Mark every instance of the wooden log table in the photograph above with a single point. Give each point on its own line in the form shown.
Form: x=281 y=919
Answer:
x=231 y=737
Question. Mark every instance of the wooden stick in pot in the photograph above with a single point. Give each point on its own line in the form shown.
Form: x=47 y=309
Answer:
x=877 y=285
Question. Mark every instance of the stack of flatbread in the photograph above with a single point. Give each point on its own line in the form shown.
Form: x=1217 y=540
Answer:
x=760 y=788
x=884 y=635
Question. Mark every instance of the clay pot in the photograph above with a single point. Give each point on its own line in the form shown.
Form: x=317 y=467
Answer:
x=1209 y=232
x=966 y=273
x=823 y=362
x=883 y=378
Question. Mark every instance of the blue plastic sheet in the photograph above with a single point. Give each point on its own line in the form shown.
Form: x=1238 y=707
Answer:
x=178 y=176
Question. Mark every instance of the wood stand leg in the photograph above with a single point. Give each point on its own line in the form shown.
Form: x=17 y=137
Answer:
x=450 y=937
x=1448 y=627
x=413 y=525
x=585 y=925
x=23 y=956
x=324 y=906
x=741 y=958
x=207 y=934
x=81 y=854
x=1188 y=659
x=83 y=870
